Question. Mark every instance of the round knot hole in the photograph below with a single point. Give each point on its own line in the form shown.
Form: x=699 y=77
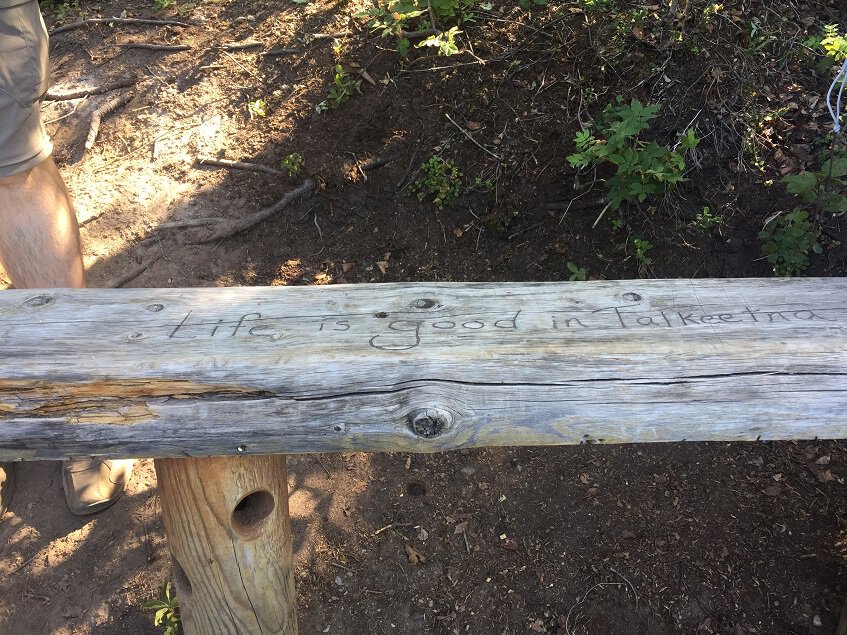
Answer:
x=430 y=422
x=251 y=512
x=381 y=314
x=424 y=303
x=632 y=297
x=154 y=308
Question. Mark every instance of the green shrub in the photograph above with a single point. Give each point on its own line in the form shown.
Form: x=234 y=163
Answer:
x=343 y=87
x=441 y=179
x=787 y=240
x=400 y=17
x=167 y=610
x=824 y=188
x=643 y=168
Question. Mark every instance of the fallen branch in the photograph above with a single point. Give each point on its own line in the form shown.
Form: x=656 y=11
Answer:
x=474 y=141
x=191 y=222
x=157 y=47
x=240 y=46
x=416 y=35
x=281 y=52
x=238 y=165
x=90 y=21
x=95 y=90
x=102 y=111
x=231 y=228
x=130 y=275
x=309 y=37
x=378 y=162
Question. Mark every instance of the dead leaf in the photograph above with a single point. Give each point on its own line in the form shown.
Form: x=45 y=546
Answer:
x=415 y=556
x=823 y=475
x=458 y=232
x=773 y=490
x=460 y=528
x=824 y=460
x=347 y=266
x=591 y=491
x=382 y=265
x=474 y=125
x=537 y=626
x=511 y=545
x=583 y=478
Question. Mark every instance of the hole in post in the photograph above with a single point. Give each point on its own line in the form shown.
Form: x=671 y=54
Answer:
x=250 y=513
x=183 y=584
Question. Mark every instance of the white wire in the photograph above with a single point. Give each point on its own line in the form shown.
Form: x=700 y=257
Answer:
x=835 y=113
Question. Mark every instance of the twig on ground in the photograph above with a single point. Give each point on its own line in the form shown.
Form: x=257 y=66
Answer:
x=391 y=526
x=191 y=222
x=474 y=141
x=234 y=227
x=281 y=52
x=97 y=116
x=92 y=90
x=238 y=165
x=117 y=283
x=416 y=35
x=378 y=162
x=240 y=46
x=90 y=21
x=171 y=48
x=309 y=37
x=24 y=563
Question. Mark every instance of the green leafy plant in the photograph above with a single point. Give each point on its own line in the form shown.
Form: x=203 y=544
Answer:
x=343 y=87
x=643 y=168
x=160 y=5
x=642 y=246
x=824 y=188
x=829 y=49
x=577 y=272
x=167 y=610
x=705 y=220
x=292 y=163
x=257 y=108
x=787 y=241
x=60 y=7
x=441 y=179
x=590 y=6
x=401 y=18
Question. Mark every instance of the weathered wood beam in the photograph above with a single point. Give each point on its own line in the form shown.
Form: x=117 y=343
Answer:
x=418 y=367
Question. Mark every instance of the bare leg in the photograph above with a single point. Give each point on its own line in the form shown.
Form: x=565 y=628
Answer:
x=39 y=235
x=40 y=248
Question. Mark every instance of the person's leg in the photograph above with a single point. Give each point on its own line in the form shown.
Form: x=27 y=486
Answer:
x=39 y=233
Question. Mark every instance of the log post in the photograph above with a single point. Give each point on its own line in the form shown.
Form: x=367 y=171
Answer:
x=228 y=528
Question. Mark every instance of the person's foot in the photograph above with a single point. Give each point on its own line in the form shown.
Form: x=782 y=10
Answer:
x=7 y=486
x=93 y=485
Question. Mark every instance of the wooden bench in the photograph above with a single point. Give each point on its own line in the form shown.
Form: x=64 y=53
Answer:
x=219 y=384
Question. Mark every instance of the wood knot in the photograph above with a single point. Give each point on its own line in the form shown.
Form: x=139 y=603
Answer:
x=430 y=422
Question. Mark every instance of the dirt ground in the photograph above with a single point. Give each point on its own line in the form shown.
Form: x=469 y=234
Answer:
x=665 y=539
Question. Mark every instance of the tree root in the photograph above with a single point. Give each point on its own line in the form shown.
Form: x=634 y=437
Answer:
x=90 y=21
x=86 y=92
x=109 y=107
x=238 y=165
x=234 y=227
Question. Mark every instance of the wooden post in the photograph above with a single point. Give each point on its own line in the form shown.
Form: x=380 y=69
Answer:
x=228 y=528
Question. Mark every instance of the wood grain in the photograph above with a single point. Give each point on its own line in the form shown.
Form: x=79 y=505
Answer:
x=228 y=530
x=418 y=367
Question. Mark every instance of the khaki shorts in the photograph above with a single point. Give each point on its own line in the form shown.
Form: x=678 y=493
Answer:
x=23 y=82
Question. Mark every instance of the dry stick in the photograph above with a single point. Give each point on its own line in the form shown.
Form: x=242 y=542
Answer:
x=281 y=52
x=95 y=90
x=378 y=162
x=102 y=111
x=474 y=141
x=130 y=275
x=157 y=47
x=238 y=165
x=89 y=21
x=191 y=222
x=240 y=46
x=232 y=228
